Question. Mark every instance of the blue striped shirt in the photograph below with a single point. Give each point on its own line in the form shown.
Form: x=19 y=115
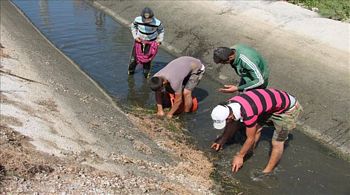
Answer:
x=147 y=31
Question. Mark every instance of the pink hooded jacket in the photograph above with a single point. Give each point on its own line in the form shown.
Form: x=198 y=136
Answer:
x=141 y=57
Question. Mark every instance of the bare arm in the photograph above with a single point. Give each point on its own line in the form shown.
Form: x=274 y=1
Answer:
x=160 y=111
x=249 y=142
x=230 y=129
x=176 y=105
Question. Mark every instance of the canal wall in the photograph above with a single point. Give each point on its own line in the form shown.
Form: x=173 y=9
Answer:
x=308 y=55
x=78 y=127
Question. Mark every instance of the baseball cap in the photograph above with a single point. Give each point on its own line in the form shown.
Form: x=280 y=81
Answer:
x=221 y=112
x=219 y=116
x=236 y=110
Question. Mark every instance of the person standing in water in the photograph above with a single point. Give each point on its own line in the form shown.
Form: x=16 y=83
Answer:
x=148 y=33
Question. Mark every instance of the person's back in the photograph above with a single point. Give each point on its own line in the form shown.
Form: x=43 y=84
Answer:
x=255 y=109
x=177 y=70
x=179 y=77
x=257 y=102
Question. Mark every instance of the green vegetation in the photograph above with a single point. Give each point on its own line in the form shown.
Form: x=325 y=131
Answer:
x=333 y=9
x=228 y=185
x=173 y=125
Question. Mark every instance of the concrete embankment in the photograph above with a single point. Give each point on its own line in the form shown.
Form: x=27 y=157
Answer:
x=308 y=55
x=46 y=97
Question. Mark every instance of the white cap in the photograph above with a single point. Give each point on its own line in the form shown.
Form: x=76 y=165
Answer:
x=236 y=109
x=220 y=114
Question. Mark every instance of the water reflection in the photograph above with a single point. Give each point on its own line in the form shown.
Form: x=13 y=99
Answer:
x=200 y=93
x=44 y=14
x=138 y=95
x=100 y=18
x=157 y=66
x=79 y=6
x=102 y=48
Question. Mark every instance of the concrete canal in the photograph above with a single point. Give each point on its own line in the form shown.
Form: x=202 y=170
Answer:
x=101 y=47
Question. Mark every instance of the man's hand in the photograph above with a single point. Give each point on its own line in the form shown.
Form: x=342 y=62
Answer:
x=229 y=89
x=169 y=116
x=138 y=39
x=237 y=163
x=216 y=146
x=249 y=142
x=160 y=113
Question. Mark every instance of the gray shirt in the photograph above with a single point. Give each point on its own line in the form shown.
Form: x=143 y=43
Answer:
x=177 y=70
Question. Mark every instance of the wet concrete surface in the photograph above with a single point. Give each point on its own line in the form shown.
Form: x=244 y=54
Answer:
x=102 y=47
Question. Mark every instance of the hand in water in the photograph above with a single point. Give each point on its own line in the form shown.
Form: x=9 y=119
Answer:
x=216 y=146
x=237 y=163
x=169 y=116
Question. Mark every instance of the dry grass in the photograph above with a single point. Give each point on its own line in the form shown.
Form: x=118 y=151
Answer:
x=49 y=104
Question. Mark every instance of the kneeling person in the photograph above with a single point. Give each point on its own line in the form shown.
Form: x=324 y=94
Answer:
x=179 y=77
x=254 y=109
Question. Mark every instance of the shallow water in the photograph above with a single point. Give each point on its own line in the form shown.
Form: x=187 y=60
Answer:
x=101 y=47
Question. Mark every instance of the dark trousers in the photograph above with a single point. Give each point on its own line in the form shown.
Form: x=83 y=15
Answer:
x=133 y=61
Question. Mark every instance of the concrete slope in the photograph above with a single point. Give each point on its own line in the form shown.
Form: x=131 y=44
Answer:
x=308 y=55
x=88 y=102
x=140 y=153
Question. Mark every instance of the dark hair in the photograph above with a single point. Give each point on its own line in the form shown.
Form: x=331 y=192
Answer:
x=145 y=11
x=155 y=83
x=222 y=54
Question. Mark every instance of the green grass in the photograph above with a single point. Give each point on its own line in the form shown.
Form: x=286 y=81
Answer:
x=333 y=9
x=173 y=125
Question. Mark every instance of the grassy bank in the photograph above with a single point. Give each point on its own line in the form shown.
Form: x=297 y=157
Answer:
x=173 y=125
x=333 y=9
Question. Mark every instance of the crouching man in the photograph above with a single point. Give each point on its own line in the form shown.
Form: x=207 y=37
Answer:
x=179 y=77
x=254 y=109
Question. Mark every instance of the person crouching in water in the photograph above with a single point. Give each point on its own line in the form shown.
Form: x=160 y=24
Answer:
x=148 y=31
x=249 y=65
x=254 y=109
x=178 y=77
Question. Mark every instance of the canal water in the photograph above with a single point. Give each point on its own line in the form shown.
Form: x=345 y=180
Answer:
x=101 y=47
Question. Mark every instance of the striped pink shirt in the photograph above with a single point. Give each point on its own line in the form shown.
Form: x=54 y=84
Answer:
x=257 y=102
